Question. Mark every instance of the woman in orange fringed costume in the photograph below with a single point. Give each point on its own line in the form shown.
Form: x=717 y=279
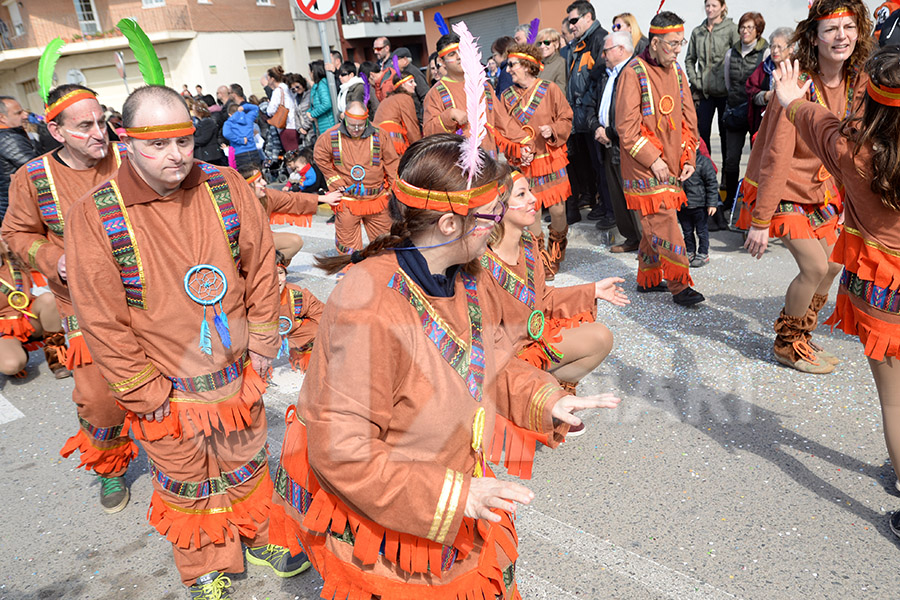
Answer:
x=298 y=319
x=541 y=109
x=286 y=208
x=862 y=151
x=383 y=476
x=788 y=192
x=552 y=328
x=396 y=116
x=24 y=318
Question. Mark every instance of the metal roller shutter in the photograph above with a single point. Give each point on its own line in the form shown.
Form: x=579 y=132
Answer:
x=488 y=25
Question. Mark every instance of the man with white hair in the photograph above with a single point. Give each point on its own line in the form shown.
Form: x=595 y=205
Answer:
x=618 y=48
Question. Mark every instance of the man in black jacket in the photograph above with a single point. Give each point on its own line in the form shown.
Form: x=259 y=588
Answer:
x=585 y=66
x=618 y=49
x=16 y=148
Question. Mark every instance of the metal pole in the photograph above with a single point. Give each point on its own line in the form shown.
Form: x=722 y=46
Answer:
x=326 y=56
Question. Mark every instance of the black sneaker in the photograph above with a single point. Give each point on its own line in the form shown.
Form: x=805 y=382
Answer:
x=212 y=586
x=596 y=213
x=659 y=287
x=688 y=297
x=279 y=558
x=114 y=494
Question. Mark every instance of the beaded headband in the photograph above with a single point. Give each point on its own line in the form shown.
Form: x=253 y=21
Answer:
x=667 y=29
x=448 y=49
x=156 y=132
x=402 y=81
x=840 y=12
x=52 y=110
x=528 y=57
x=884 y=95
x=457 y=202
x=254 y=177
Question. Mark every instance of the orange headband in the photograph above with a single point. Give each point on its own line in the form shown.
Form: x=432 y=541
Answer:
x=667 y=29
x=528 y=57
x=457 y=202
x=516 y=175
x=254 y=177
x=365 y=115
x=52 y=110
x=402 y=81
x=841 y=12
x=448 y=49
x=155 y=132
x=884 y=95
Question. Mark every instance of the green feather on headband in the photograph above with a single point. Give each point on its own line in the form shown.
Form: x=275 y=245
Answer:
x=147 y=60
x=47 y=65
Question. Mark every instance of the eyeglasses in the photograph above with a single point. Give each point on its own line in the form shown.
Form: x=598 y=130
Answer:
x=605 y=50
x=575 y=20
x=295 y=88
x=511 y=64
x=747 y=28
x=546 y=42
x=617 y=26
x=675 y=44
x=492 y=217
x=377 y=48
x=344 y=74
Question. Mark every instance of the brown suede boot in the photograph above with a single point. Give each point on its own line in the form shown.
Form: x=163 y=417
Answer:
x=791 y=348
x=570 y=388
x=555 y=253
x=812 y=315
x=54 y=346
x=539 y=242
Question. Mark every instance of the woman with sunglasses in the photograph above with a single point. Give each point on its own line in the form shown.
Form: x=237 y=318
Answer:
x=627 y=22
x=549 y=42
x=788 y=193
x=568 y=343
x=541 y=109
x=383 y=475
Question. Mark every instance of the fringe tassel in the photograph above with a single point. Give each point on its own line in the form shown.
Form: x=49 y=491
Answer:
x=103 y=461
x=519 y=445
x=38 y=279
x=654 y=202
x=150 y=431
x=665 y=269
x=747 y=197
x=879 y=338
x=553 y=194
x=511 y=149
x=868 y=262
x=289 y=219
x=795 y=227
x=185 y=529
x=300 y=360
x=78 y=354
x=19 y=328
x=361 y=208
x=553 y=161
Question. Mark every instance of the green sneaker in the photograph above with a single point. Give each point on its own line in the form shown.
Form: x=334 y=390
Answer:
x=212 y=586
x=113 y=494
x=279 y=558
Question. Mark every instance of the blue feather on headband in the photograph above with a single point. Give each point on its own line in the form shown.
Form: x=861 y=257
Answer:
x=441 y=23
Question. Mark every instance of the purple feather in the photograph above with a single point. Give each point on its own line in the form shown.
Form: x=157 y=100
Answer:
x=441 y=23
x=532 y=33
x=396 y=64
x=365 y=88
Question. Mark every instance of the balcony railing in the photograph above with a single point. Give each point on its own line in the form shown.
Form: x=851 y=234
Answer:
x=39 y=30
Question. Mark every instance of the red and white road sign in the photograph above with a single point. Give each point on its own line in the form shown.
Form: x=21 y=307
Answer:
x=319 y=10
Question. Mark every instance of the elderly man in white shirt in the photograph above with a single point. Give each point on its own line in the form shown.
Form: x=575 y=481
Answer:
x=618 y=49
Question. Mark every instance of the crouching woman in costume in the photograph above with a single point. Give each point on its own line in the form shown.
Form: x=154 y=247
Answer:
x=24 y=319
x=298 y=319
x=861 y=151
x=552 y=328
x=383 y=476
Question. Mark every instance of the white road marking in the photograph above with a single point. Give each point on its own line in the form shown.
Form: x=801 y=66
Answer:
x=592 y=549
x=8 y=412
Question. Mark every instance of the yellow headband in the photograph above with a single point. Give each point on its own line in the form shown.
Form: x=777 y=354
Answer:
x=254 y=177
x=457 y=202
x=402 y=81
x=448 y=49
x=155 y=132
x=52 y=110
x=528 y=57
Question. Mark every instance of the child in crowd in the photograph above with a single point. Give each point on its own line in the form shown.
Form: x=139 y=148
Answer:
x=298 y=322
x=702 y=191
x=303 y=176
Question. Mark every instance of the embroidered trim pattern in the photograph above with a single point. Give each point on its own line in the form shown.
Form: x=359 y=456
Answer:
x=118 y=229
x=262 y=327
x=515 y=105
x=647 y=108
x=658 y=242
x=884 y=299
x=821 y=215
x=466 y=359
x=210 y=381
x=102 y=434
x=134 y=382
x=212 y=486
x=218 y=190
x=42 y=178
x=523 y=291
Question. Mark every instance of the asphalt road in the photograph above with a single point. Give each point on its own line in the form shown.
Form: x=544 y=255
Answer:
x=721 y=474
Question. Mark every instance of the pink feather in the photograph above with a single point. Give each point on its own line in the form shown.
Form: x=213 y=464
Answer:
x=471 y=161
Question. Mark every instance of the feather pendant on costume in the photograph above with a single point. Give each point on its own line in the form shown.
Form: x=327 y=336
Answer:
x=366 y=88
x=221 y=322
x=396 y=64
x=47 y=65
x=533 y=31
x=205 y=337
x=660 y=6
x=144 y=54
x=284 y=349
x=471 y=161
x=441 y=23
